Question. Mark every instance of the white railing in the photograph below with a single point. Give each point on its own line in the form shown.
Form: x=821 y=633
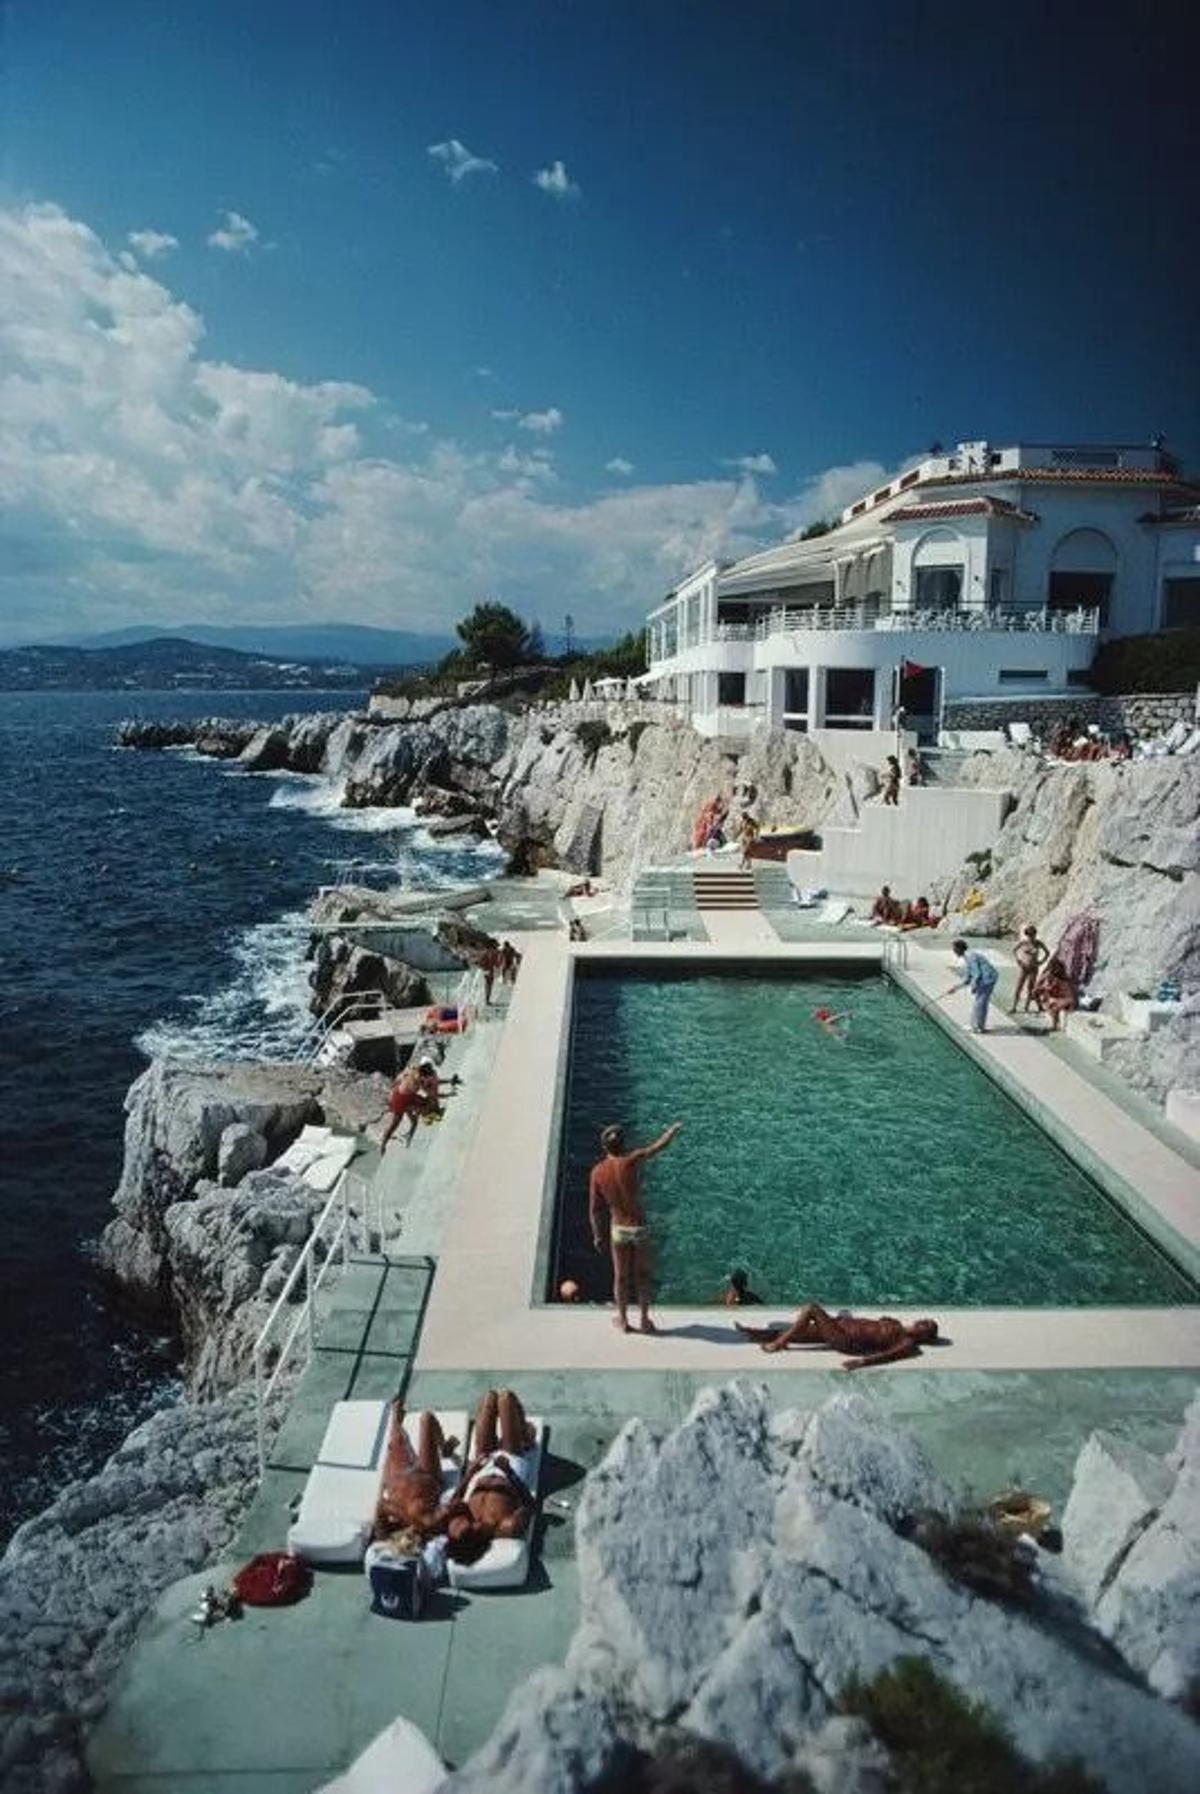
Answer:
x=331 y=1230
x=830 y=618
x=355 y=1005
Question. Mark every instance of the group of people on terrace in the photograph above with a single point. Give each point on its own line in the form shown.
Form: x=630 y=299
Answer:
x=894 y=912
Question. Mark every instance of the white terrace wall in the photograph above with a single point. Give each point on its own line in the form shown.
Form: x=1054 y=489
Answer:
x=926 y=837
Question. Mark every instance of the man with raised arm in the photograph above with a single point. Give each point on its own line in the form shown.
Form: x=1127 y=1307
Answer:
x=616 y=1186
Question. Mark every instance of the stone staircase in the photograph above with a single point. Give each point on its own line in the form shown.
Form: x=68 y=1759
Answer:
x=724 y=888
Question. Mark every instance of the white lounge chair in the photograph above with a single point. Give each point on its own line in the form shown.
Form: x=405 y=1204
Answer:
x=505 y=1563
x=1020 y=734
x=337 y=1508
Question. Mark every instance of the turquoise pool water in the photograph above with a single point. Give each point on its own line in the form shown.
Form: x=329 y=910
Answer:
x=885 y=1169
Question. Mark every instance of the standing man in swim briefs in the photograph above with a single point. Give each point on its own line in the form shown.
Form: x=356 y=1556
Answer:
x=616 y=1185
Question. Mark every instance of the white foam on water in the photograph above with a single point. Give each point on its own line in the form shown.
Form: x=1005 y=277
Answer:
x=316 y=796
x=262 y=1013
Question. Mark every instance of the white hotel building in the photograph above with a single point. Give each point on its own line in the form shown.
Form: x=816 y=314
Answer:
x=989 y=573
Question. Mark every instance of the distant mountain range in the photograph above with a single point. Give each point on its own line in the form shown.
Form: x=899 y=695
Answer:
x=352 y=643
x=173 y=662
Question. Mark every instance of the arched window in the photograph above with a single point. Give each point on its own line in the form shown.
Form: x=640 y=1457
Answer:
x=1082 y=569
x=938 y=562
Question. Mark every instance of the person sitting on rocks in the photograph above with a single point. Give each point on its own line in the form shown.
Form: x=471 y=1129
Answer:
x=411 y=1491
x=885 y=907
x=495 y=1497
x=919 y=915
x=871 y=1342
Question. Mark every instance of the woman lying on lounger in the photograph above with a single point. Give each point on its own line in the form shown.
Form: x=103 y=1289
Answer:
x=880 y=1341
x=494 y=1498
x=411 y=1492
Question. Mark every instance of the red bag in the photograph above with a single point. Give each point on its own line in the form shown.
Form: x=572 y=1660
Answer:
x=272 y=1579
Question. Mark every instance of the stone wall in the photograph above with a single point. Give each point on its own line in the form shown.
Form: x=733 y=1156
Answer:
x=1142 y=713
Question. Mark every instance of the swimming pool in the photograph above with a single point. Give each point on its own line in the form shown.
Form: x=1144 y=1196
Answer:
x=885 y=1168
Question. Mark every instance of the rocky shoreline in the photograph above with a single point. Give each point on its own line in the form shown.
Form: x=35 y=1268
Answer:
x=205 y=1229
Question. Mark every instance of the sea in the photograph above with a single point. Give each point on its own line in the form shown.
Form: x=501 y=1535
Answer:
x=150 y=904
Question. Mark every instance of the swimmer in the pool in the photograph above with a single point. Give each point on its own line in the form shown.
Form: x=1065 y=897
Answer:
x=834 y=1022
x=616 y=1185
x=871 y=1342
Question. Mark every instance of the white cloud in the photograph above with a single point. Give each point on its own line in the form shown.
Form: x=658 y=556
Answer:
x=235 y=235
x=458 y=161
x=752 y=464
x=828 y=493
x=620 y=466
x=542 y=423
x=538 y=464
x=504 y=416
x=141 y=481
x=556 y=182
x=151 y=244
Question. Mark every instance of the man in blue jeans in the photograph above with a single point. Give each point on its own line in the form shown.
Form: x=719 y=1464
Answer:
x=979 y=975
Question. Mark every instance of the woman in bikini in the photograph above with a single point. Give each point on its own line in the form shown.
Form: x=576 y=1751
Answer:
x=1030 y=955
x=495 y=1497
x=871 y=1342
x=410 y=1495
x=1055 y=993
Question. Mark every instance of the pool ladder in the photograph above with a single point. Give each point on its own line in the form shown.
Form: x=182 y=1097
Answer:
x=895 y=952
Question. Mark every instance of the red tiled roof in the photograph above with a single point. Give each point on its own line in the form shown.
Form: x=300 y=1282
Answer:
x=962 y=507
x=1077 y=476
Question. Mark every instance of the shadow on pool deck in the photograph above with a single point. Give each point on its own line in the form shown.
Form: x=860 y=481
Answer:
x=285 y=1698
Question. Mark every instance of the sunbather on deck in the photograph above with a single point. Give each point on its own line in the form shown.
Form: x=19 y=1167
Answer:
x=494 y=1498
x=871 y=1342
x=411 y=1491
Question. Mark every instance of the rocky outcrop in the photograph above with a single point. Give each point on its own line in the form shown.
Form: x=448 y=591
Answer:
x=221 y=737
x=612 y=797
x=1117 y=842
x=228 y=1256
x=341 y=971
x=397 y=763
x=1131 y=1539
x=736 y=1576
x=177 y=1116
x=77 y=1580
x=297 y=744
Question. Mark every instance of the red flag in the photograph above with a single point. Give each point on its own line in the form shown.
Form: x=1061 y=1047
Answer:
x=909 y=669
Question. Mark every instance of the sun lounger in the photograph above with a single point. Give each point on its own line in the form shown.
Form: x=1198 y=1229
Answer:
x=505 y=1563
x=834 y=912
x=337 y=1508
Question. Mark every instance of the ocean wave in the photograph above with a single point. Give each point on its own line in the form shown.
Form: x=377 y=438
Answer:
x=261 y=1013
x=314 y=794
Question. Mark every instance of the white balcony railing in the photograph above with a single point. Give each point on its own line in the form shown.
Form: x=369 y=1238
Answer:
x=788 y=620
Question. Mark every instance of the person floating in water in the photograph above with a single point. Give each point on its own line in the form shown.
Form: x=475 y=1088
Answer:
x=737 y=1292
x=834 y=1022
x=616 y=1185
x=869 y=1342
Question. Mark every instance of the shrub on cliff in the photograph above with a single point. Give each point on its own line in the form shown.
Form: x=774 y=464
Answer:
x=1166 y=662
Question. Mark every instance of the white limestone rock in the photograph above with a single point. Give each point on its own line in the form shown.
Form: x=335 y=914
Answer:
x=554 y=1738
x=228 y=1255
x=76 y=1581
x=176 y=1117
x=1150 y=1606
x=241 y=1149
x=736 y=1575
x=1117 y=1490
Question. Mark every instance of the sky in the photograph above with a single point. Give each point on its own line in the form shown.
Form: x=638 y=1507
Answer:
x=364 y=311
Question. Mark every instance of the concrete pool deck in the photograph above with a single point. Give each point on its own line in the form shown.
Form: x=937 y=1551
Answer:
x=482 y=1308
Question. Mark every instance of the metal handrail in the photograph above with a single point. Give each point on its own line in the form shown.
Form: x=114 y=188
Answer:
x=895 y=951
x=347 y=1007
x=339 y=1199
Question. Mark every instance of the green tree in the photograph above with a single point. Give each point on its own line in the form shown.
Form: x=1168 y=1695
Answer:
x=819 y=528
x=494 y=635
